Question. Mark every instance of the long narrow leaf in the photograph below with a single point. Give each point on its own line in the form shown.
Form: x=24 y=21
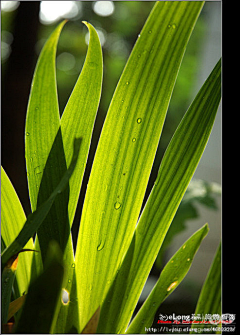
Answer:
x=39 y=309
x=43 y=120
x=12 y=221
x=171 y=276
x=8 y=276
x=176 y=170
x=80 y=112
x=35 y=219
x=209 y=302
x=127 y=148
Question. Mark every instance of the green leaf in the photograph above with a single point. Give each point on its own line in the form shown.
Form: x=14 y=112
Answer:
x=15 y=306
x=43 y=120
x=8 y=276
x=170 y=277
x=12 y=221
x=127 y=148
x=176 y=170
x=49 y=151
x=209 y=301
x=35 y=219
x=80 y=112
x=39 y=309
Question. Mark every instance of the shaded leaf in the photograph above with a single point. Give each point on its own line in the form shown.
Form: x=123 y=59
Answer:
x=39 y=309
x=35 y=219
x=91 y=326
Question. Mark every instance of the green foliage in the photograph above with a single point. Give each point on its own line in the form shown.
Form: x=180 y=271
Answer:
x=116 y=248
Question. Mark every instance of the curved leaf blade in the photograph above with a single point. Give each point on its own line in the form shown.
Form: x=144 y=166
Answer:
x=35 y=219
x=80 y=113
x=178 y=165
x=170 y=277
x=43 y=120
x=43 y=296
x=209 y=301
x=127 y=147
x=12 y=221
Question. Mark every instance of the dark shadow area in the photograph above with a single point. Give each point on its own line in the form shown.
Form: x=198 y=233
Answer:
x=56 y=224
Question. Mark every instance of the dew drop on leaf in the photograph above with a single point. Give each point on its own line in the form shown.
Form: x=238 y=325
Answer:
x=27 y=133
x=65 y=296
x=73 y=265
x=117 y=205
x=100 y=246
x=172 y=286
x=139 y=120
x=134 y=139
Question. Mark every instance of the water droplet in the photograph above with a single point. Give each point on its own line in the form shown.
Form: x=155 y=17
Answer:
x=134 y=139
x=127 y=83
x=184 y=246
x=150 y=31
x=139 y=120
x=188 y=260
x=139 y=35
x=73 y=265
x=27 y=133
x=69 y=280
x=100 y=246
x=173 y=26
x=172 y=286
x=117 y=205
x=37 y=170
x=65 y=296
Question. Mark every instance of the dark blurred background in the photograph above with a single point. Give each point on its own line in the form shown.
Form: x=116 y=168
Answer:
x=25 y=26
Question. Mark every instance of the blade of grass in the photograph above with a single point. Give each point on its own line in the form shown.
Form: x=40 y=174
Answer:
x=39 y=309
x=209 y=301
x=127 y=147
x=8 y=276
x=54 y=153
x=35 y=219
x=12 y=221
x=178 y=165
x=80 y=112
x=170 y=277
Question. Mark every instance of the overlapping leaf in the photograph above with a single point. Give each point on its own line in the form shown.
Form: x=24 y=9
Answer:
x=127 y=148
x=171 y=276
x=12 y=221
x=49 y=150
x=176 y=170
